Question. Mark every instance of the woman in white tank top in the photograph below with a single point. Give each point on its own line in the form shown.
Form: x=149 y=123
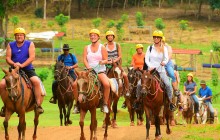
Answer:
x=95 y=57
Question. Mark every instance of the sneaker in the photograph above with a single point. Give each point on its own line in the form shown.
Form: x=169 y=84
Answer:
x=2 y=112
x=172 y=107
x=127 y=94
x=197 y=115
x=39 y=109
x=123 y=105
x=52 y=100
x=76 y=110
x=105 y=109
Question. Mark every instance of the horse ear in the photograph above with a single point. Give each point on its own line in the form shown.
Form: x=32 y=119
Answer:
x=4 y=70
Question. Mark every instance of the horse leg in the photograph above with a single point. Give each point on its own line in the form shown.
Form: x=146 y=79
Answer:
x=157 y=125
x=36 y=121
x=147 y=127
x=107 y=118
x=61 y=113
x=21 y=126
x=167 y=116
x=93 y=125
x=114 y=108
x=64 y=114
x=5 y=123
x=70 y=105
x=81 y=123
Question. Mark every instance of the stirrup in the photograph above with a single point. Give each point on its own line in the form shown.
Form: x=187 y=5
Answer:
x=52 y=100
x=172 y=107
x=39 y=109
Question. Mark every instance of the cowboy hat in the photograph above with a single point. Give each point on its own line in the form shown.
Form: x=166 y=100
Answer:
x=202 y=82
x=66 y=47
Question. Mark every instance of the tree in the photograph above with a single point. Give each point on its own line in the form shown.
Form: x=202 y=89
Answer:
x=183 y=24
x=61 y=21
x=15 y=20
x=159 y=23
x=5 y=6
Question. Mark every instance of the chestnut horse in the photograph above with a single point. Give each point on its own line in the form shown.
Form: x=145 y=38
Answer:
x=115 y=73
x=89 y=86
x=18 y=98
x=64 y=92
x=134 y=75
x=154 y=98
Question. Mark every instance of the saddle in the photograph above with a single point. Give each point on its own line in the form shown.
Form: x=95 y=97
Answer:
x=26 y=79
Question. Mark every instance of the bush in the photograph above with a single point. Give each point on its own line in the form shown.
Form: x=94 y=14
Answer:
x=216 y=46
x=1 y=40
x=159 y=24
x=32 y=24
x=15 y=20
x=139 y=19
x=110 y=24
x=39 y=12
x=96 y=22
x=183 y=24
x=50 y=24
x=61 y=19
x=124 y=17
x=43 y=74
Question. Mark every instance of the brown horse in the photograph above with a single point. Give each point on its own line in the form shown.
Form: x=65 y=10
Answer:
x=134 y=75
x=115 y=73
x=18 y=98
x=89 y=86
x=154 y=99
x=64 y=92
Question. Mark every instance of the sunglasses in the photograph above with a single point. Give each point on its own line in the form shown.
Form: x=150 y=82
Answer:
x=157 y=37
x=65 y=50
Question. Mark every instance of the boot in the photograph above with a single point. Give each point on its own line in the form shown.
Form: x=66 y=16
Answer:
x=76 y=109
x=39 y=109
x=53 y=100
x=2 y=112
x=172 y=106
x=124 y=105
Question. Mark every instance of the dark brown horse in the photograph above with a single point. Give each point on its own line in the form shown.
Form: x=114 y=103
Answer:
x=116 y=77
x=154 y=99
x=20 y=99
x=134 y=75
x=64 y=92
x=89 y=87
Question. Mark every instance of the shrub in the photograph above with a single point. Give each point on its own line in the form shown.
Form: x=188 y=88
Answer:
x=96 y=22
x=183 y=24
x=43 y=74
x=39 y=12
x=15 y=20
x=61 y=19
x=110 y=24
x=139 y=19
x=50 y=24
x=124 y=17
x=32 y=24
x=216 y=46
x=159 y=24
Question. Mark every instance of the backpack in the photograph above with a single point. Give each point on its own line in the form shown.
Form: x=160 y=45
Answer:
x=62 y=57
x=145 y=65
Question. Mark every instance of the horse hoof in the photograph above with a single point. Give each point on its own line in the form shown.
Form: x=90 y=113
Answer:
x=105 y=138
x=158 y=137
x=114 y=124
x=82 y=138
x=132 y=124
x=168 y=131
x=34 y=137
x=94 y=138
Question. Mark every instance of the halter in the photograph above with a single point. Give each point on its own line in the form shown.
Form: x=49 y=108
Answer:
x=66 y=72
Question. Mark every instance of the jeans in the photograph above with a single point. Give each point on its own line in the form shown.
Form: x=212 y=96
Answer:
x=170 y=70
x=195 y=99
x=168 y=86
x=209 y=104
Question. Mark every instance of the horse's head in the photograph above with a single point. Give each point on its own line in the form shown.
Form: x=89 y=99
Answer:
x=12 y=82
x=59 y=69
x=186 y=102
x=83 y=82
x=116 y=72
x=133 y=77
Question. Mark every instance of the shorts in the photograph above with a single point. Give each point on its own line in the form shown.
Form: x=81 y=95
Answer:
x=73 y=75
x=30 y=73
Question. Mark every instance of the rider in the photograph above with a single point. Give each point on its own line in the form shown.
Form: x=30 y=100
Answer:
x=157 y=57
x=114 y=53
x=206 y=93
x=95 y=56
x=21 y=53
x=70 y=61
x=170 y=70
x=190 y=89
x=137 y=62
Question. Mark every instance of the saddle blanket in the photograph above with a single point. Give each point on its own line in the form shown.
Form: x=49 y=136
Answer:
x=114 y=85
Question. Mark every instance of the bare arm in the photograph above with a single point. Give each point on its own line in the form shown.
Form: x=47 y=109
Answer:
x=85 y=61
x=119 y=53
x=8 y=56
x=104 y=56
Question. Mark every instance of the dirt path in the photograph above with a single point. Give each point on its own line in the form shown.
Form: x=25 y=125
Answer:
x=73 y=133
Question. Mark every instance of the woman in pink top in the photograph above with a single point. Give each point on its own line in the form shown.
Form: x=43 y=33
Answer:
x=95 y=57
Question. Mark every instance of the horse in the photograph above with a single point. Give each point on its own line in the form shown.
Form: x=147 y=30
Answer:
x=64 y=92
x=134 y=75
x=89 y=87
x=19 y=98
x=116 y=77
x=154 y=98
x=187 y=106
